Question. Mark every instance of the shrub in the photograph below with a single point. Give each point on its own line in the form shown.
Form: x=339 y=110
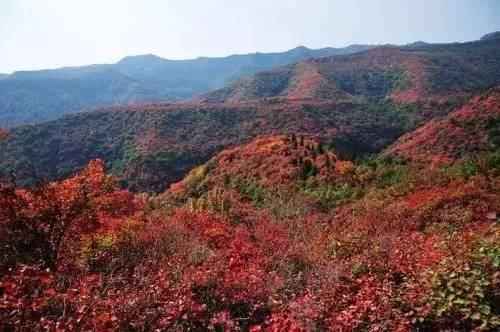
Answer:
x=464 y=169
x=198 y=253
x=194 y=181
x=469 y=291
x=494 y=159
x=43 y=221
x=306 y=169
x=329 y=195
x=387 y=176
x=250 y=191
x=97 y=251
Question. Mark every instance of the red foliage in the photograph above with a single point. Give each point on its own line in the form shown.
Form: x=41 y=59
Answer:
x=455 y=136
x=126 y=261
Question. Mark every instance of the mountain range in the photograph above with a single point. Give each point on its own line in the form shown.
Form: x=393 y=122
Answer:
x=407 y=74
x=41 y=95
x=35 y=96
x=358 y=104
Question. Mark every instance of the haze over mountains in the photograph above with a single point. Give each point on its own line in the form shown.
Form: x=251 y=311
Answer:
x=34 y=96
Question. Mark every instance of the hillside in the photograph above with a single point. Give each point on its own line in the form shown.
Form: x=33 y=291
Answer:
x=250 y=241
x=352 y=189
x=415 y=73
x=150 y=146
x=272 y=214
x=465 y=132
x=348 y=102
x=27 y=100
x=491 y=35
x=35 y=96
x=271 y=161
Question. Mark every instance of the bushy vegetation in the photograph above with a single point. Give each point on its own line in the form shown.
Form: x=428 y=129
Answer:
x=152 y=146
x=368 y=245
x=464 y=132
x=329 y=196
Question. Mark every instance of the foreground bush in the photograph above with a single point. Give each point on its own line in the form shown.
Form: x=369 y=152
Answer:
x=378 y=246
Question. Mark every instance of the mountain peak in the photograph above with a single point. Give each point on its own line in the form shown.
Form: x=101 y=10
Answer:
x=300 y=48
x=491 y=35
x=418 y=43
x=148 y=58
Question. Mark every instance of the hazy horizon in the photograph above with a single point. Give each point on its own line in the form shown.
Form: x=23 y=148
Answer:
x=57 y=33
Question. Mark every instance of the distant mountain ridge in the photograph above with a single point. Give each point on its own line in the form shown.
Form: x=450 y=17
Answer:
x=35 y=96
x=420 y=71
x=491 y=35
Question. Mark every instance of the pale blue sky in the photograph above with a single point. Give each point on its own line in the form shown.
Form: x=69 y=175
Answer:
x=38 y=34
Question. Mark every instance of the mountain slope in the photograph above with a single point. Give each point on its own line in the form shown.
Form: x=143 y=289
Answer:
x=341 y=101
x=26 y=100
x=424 y=73
x=34 y=96
x=466 y=131
x=277 y=161
x=380 y=246
x=405 y=73
x=151 y=146
x=491 y=35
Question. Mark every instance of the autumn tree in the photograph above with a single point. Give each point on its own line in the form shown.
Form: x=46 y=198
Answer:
x=40 y=220
x=306 y=169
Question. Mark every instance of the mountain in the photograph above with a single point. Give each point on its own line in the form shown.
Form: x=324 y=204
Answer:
x=278 y=210
x=276 y=161
x=151 y=146
x=26 y=98
x=465 y=132
x=407 y=74
x=203 y=74
x=417 y=44
x=35 y=96
x=358 y=104
x=491 y=35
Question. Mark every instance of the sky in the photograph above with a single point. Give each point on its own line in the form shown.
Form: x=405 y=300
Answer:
x=38 y=34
